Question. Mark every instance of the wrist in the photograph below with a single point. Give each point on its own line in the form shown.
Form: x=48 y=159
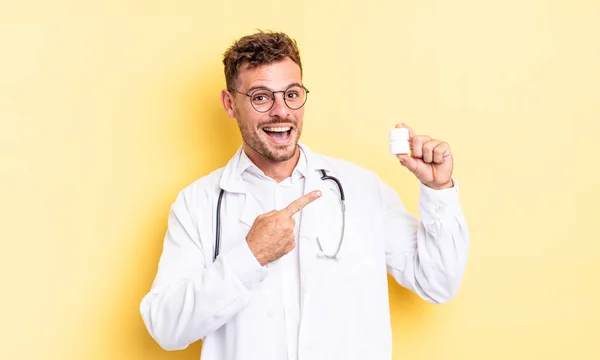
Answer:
x=258 y=255
x=448 y=185
x=244 y=265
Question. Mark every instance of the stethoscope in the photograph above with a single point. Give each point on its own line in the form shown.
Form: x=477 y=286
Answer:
x=321 y=252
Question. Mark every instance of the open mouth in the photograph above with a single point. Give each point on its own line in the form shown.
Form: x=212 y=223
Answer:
x=279 y=135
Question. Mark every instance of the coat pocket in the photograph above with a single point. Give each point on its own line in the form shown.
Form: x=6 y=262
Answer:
x=356 y=258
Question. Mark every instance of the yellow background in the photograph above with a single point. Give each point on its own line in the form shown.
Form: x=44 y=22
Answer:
x=109 y=108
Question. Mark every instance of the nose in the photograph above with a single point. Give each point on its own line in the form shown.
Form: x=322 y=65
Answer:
x=279 y=109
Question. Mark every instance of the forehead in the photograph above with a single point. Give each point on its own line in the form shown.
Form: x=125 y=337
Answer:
x=274 y=76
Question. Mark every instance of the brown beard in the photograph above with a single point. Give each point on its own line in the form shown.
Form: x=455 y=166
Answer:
x=253 y=140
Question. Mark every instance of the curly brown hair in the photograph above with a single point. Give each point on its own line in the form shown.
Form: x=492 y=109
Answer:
x=258 y=49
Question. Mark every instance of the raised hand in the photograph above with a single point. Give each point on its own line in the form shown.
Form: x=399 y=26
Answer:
x=430 y=160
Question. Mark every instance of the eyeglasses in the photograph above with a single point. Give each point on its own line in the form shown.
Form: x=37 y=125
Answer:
x=262 y=99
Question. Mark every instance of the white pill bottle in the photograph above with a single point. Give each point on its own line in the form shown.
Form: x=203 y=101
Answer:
x=399 y=141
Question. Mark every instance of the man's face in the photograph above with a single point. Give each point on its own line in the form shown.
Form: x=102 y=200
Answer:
x=273 y=134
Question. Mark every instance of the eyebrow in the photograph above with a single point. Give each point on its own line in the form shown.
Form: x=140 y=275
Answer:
x=266 y=88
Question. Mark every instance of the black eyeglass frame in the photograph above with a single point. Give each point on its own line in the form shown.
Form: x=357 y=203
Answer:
x=274 y=92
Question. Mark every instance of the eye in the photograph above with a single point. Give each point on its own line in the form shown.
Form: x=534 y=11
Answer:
x=293 y=94
x=261 y=97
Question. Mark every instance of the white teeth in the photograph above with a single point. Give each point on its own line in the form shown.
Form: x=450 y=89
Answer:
x=277 y=129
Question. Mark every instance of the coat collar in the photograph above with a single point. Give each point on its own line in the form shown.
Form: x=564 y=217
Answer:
x=231 y=179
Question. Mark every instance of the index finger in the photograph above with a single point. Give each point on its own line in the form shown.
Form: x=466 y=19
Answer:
x=300 y=203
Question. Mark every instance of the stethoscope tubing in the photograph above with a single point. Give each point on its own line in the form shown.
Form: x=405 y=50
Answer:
x=322 y=253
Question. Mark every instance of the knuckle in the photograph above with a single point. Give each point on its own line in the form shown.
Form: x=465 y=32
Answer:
x=265 y=215
x=281 y=216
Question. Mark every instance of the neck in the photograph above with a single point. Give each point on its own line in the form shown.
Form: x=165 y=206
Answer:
x=276 y=170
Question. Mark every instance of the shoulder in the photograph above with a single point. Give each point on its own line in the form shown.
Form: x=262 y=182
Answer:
x=349 y=169
x=364 y=183
x=361 y=179
x=201 y=190
x=362 y=186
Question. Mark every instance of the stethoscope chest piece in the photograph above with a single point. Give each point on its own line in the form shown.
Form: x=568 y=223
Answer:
x=322 y=255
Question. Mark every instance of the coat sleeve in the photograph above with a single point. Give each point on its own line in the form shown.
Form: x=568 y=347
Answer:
x=427 y=256
x=190 y=298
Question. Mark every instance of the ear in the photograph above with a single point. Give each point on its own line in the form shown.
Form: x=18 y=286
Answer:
x=227 y=101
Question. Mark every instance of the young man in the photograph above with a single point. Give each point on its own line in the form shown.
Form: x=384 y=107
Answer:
x=299 y=274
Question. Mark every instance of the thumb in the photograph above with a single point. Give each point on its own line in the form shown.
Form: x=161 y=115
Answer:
x=408 y=162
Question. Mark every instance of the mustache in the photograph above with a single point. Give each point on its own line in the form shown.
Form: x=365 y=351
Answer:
x=278 y=122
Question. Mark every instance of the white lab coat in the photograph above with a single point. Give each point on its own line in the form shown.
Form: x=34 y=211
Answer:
x=344 y=303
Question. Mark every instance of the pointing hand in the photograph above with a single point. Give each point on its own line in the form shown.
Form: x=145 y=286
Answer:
x=272 y=234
